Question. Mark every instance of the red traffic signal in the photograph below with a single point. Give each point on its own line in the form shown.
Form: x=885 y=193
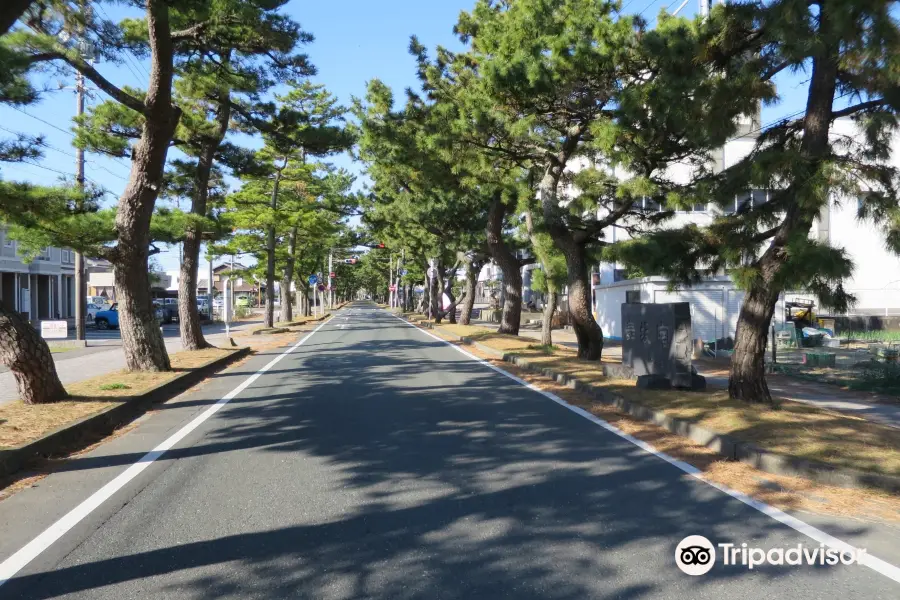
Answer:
x=332 y=274
x=379 y=245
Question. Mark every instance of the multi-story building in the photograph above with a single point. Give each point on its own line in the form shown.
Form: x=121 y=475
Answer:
x=715 y=303
x=42 y=289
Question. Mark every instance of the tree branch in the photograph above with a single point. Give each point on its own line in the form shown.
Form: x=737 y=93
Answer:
x=775 y=70
x=96 y=78
x=837 y=114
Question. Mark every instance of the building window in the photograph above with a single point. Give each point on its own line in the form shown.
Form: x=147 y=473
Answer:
x=8 y=243
x=747 y=200
x=632 y=296
x=760 y=197
x=650 y=205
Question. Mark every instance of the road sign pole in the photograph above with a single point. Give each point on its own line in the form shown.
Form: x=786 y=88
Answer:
x=330 y=285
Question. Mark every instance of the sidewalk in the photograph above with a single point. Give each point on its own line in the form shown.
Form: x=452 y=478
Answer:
x=858 y=404
x=106 y=356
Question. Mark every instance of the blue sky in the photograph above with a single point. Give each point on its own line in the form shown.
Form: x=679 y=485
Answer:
x=356 y=41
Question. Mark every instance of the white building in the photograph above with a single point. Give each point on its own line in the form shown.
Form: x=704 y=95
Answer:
x=715 y=303
x=43 y=289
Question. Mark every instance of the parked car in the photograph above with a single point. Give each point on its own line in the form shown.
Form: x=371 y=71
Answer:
x=107 y=319
x=93 y=309
x=166 y=312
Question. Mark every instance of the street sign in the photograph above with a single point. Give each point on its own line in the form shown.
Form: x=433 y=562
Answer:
x=321 y=287
x=312 y=279
x=333 y=274
x=54 y=330
x=393 y=288
x=403 y=272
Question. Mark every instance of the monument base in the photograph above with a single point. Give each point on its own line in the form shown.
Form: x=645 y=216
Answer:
x=661 y=382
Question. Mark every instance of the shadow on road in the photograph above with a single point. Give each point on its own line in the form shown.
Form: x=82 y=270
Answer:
x=465 y=484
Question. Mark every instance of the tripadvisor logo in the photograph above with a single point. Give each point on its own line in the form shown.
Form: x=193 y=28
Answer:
x=696 y=555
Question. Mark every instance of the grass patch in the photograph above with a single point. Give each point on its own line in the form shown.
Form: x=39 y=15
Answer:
x=867 y=376
x=545 y=348
x=795 y=429
x=62 y=349
x=21 y=423
x=114 y=386
x=871 y=336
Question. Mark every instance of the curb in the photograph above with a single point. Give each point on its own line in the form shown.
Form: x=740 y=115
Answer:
x=725 y=445
x=96 y=426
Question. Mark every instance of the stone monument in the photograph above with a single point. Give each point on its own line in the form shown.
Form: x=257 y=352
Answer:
x=657 y=344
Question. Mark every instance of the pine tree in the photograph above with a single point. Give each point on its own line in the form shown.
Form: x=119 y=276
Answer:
x=549 y=82
x=850 y=51
x=22 y=349
x=173 y=36
x=425 y=181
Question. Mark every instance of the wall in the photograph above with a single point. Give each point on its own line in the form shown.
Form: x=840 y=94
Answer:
x=715 y=305
x=608 y=306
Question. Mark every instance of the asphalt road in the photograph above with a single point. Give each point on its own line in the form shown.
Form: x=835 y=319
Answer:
x=376 y=462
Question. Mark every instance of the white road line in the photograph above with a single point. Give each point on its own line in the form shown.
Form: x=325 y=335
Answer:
x=876 y=564
x=13 y=564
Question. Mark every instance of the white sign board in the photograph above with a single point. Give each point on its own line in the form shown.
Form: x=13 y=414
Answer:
x=54 y=330
x=431 y=272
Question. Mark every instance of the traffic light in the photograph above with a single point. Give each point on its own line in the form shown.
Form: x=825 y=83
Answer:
x=379 y=245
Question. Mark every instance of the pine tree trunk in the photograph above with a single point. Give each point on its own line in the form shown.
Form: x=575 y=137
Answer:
x=547 y=324
x=287 y=277
x=572 y=245
x=424 y=302
x=188 y=314
x=746 y=380
x=10 y=11
x=588 y=333
x=451 y=310
x=472 y=271
x=270 y=254
x=142 y=340
x=512 y=276
x=301 y=299
x=27 y=355
x=435 y=295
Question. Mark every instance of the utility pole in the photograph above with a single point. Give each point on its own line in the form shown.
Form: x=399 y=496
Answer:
x=330 y=289
x=80 y=287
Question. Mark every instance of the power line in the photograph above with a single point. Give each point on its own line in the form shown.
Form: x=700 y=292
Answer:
x=72 y=155
x=128 y=55
x=99 y=166
x=646 y=8
x=68 y=133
